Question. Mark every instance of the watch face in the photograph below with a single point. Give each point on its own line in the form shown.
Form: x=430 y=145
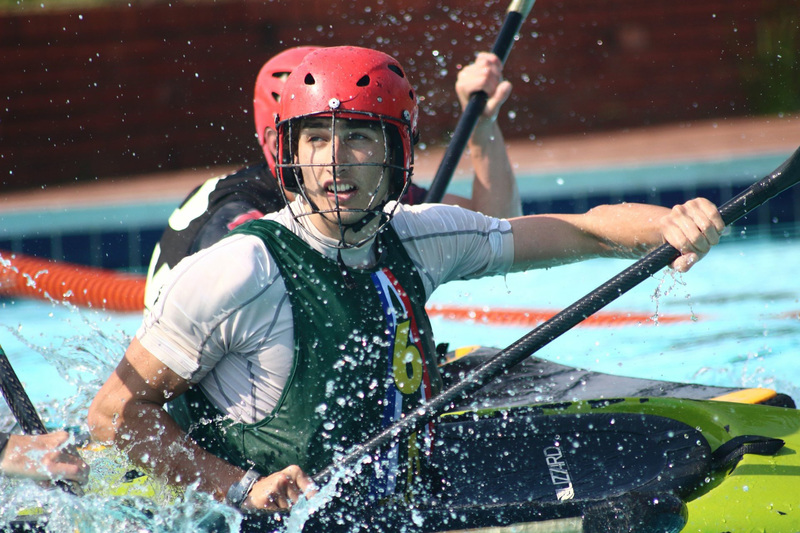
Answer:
x=238 y=492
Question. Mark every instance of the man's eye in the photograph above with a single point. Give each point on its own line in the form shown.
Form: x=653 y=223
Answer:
x=355 y=136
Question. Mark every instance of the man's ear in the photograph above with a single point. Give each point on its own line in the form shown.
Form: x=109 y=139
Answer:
x=271 y=140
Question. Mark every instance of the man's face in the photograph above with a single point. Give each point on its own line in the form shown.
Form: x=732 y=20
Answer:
x=343 y=172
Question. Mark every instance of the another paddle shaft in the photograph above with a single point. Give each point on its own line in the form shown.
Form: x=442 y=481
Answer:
x=18 y=400
x=785 y=176
x=517 y=12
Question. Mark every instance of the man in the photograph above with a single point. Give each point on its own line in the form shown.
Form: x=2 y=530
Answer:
x=221 y=204
x=305 y=332
x=40 y=457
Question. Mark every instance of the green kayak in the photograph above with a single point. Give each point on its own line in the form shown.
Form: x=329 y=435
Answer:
x=635 y=464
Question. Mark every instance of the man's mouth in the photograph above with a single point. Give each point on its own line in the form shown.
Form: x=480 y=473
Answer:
x=337 y=187
x=341 y=192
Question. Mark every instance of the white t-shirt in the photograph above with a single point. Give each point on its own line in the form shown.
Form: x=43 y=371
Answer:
x=224 y=320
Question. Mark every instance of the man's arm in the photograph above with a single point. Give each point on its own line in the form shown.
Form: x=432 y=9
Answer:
x=624 y=230
x=128 y=411
x=494 y=188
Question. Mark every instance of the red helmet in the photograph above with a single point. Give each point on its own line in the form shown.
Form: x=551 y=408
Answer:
x=349 y=82
x=269 y=84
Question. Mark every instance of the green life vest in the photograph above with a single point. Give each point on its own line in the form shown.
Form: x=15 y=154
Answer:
x=364 y=355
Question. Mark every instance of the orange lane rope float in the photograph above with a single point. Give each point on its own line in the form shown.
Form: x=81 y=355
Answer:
x=45 y=279
x=529 y=318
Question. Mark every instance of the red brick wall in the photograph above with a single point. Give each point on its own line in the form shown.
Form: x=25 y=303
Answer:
x=119 y=90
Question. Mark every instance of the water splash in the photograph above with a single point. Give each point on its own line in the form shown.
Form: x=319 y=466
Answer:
x=81 y=346
x=115 y=502
x=671 y=281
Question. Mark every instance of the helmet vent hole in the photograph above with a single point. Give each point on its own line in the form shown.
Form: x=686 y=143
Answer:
x=309 y=80
x=363 y=82
x=397 y=70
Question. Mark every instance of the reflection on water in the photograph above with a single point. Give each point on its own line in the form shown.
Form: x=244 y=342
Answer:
x=745 y=298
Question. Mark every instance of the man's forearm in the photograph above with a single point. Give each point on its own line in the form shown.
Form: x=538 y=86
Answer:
x=154 y=441
x=128 y=411
x=628 y=230
x=623 y=231
x=494 y=189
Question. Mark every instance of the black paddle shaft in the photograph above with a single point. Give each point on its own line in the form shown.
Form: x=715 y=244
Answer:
x=785 y=176
x=18 y=400
x=517 y=12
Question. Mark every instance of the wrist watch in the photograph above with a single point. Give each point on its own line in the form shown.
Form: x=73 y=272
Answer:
x=238 y=492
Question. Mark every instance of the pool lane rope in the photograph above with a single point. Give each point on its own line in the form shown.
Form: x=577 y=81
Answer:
x=45 y=279
x=505 y=316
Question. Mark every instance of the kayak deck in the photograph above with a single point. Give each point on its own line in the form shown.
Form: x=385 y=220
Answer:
x=537 y=380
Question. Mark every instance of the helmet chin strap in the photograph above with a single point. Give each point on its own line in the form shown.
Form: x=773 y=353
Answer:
x=349 y=282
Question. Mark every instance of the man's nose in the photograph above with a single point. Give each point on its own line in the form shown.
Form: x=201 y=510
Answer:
x=340 y=152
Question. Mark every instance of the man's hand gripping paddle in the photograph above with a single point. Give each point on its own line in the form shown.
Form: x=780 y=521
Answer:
x=515 y=16
x=23 y=410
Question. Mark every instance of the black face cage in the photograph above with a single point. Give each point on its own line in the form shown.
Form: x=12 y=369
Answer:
x=393 y=166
